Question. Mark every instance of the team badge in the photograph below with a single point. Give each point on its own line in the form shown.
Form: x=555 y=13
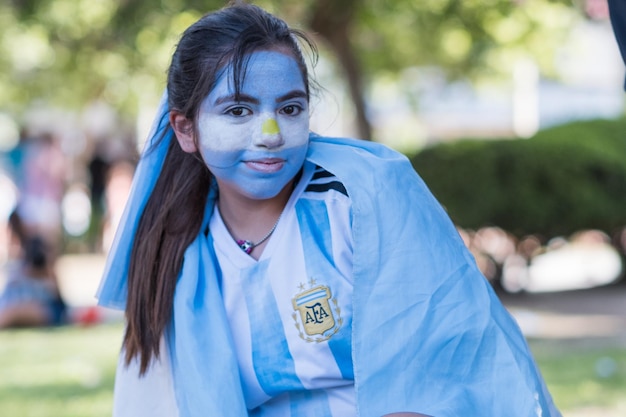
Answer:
x=319 y=315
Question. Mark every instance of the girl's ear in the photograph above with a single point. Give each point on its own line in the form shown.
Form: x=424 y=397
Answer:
x=183 y=128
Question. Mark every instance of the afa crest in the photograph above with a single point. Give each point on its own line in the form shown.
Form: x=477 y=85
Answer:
x=319 y=315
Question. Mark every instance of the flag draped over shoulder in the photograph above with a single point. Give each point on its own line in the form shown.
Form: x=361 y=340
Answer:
x=429 y=334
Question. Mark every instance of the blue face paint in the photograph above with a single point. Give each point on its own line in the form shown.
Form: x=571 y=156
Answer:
x=264 y=181
x=256 y=145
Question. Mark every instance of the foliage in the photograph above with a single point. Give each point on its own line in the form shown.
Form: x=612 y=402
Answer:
x=462 y=37
x=68 y=53
x=564 y=179
x=466 y=38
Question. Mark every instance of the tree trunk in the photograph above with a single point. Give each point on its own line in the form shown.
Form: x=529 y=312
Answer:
x=332 y=20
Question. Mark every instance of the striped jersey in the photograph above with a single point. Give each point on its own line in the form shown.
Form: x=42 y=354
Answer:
x=290 y=312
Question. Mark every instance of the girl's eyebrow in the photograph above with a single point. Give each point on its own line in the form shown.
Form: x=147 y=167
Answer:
x=245 y=98
x=239 y=98
x=291 y=95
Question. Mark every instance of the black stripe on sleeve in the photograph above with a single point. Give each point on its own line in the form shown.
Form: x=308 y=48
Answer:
x=333 y=185
x=322 y=173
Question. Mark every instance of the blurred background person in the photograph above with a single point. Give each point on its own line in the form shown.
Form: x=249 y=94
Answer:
x=117 y=188
x=38 y=167
x=31 y=294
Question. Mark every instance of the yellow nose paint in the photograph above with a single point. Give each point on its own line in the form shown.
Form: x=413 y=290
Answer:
x=270 y=127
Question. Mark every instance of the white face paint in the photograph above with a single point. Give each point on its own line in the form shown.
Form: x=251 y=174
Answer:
x=256 y=145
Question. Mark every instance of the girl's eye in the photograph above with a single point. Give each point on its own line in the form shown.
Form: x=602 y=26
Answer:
x=292 y=110
x=238 y=111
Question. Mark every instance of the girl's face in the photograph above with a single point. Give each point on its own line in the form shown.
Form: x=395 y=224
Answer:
x=254 y=146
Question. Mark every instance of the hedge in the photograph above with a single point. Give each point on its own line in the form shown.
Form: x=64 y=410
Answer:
x=562 y=180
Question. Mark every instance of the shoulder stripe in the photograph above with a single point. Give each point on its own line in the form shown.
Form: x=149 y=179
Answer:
x=321 y=173
x=333 y=185
x=323 y=181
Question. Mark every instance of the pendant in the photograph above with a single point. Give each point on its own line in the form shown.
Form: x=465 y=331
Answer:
x=246 y=246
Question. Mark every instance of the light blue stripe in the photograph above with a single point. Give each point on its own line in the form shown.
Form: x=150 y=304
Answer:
x=313 y=296
x=310 y=404
x=269 y=345
x=317 y=246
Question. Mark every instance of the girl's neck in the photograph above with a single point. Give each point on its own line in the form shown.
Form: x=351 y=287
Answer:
x=251 y=219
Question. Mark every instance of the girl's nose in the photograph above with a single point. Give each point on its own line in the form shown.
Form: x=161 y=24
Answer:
x=270 y=136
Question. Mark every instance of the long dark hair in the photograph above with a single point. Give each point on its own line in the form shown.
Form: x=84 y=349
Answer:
x=173 y=214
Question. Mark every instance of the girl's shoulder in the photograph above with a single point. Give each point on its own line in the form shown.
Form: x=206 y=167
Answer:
x=360 y=164
x=340 y=145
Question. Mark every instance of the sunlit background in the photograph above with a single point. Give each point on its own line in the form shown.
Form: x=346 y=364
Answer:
x=511 y=110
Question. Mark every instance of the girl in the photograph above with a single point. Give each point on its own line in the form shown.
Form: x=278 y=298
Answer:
x=268 y=271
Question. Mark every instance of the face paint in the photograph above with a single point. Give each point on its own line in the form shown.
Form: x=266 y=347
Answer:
x=256 y=145
x=270 y=127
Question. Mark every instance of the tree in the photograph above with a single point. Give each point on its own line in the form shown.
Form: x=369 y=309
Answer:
x=333 y=20
x=68 y=53
x=71 y=52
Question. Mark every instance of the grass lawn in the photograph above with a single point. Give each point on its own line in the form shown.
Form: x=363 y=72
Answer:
x=585 y=378
x=60 y=372
x=69 y=372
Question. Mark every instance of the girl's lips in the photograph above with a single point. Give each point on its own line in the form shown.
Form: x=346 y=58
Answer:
x=266 y=165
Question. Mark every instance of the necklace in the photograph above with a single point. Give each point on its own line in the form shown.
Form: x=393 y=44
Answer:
x=247 y=245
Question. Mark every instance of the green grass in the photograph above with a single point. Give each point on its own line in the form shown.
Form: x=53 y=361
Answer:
x=69 y=372
x=584 y=375
x=60 y=372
